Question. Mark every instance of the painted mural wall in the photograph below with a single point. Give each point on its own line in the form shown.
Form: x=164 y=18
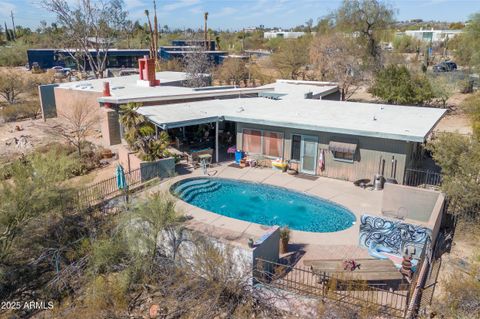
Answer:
x=393 y=234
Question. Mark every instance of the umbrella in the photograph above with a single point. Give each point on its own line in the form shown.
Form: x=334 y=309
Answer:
x=120 y=175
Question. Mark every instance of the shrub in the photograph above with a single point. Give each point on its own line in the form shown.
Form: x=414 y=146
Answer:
x=396 y=85
x=15 y=112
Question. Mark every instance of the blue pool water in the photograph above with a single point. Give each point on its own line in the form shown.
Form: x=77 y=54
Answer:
x=264 y=204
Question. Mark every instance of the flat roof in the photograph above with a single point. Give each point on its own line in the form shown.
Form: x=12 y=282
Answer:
x=406 y=123
x=295 y=89
x=124 y=89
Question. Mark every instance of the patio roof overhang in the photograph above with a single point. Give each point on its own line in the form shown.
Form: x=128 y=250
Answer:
x=164 y=125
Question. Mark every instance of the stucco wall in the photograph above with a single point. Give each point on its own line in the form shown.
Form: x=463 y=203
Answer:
x=66 y=99
x=418 y=202
x=164 y=167
x=394 y=234
x=370 y=151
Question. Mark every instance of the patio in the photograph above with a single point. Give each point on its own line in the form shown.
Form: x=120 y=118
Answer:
x=341 y=244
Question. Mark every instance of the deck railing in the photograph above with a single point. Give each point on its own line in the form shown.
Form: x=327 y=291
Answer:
x=380 y=298
x=422 y=178
x=106 y=189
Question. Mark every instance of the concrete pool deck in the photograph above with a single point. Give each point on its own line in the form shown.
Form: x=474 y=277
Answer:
x=341 y=244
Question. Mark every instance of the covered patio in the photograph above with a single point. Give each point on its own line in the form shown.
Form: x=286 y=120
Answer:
x=195 y=137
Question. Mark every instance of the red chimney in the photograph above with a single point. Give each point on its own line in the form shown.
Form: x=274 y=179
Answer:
x=106 y=89
x=106 y=92
x=146 y=69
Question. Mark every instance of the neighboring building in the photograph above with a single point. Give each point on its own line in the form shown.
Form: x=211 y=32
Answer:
x=432 y=35
x=117 y=58
x=181 y=48
x=302 y=122
x=282 y=34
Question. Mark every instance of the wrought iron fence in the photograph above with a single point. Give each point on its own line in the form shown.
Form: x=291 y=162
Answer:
x=108 y=188
x=422 y=178
x=380 y=298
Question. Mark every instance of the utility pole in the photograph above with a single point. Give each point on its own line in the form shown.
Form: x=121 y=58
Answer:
x=13 y=23
x=205 y=18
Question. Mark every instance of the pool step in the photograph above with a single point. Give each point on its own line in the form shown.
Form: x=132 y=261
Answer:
x=188 y=184
x=194 y=186
x=190 y=194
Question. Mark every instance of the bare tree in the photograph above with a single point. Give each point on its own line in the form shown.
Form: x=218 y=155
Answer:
x=90 y=27
x=77 y=125
x=335 y=59
x=198 y=67
x=233 y=71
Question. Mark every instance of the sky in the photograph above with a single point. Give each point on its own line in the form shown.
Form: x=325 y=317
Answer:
x=238 y=14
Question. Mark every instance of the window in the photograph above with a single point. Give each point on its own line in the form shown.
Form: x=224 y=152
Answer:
x=252 y=141
x=272 y=144
x=296 y=146
x=343 y=156
x=343 y=151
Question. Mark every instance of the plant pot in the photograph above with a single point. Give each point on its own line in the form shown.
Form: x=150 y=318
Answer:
x=283 y=245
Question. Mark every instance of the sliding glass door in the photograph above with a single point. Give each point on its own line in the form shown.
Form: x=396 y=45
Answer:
x=308 y=151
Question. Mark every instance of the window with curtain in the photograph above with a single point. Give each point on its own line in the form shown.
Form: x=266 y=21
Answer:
x=272 y=144
x=252 y=141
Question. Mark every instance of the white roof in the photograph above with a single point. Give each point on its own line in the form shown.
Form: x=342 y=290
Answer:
x=395 y=122
x=129 y=81
x=125 y=89
x=295 y=89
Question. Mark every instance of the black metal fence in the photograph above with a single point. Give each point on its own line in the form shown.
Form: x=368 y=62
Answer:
x=108 y=188
x=422 y=178
x=378 y=298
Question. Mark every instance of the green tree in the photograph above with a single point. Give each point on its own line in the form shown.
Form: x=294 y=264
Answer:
x=471 y=105
x=467 y=44
x=459 y=158
x=291 y=57
x=396 y=85
x=367 y=20
x=32 y=190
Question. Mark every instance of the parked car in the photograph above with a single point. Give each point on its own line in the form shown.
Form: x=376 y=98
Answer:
x=446 y=66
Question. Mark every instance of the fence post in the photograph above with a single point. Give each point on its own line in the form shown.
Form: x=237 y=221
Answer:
x=323 y=286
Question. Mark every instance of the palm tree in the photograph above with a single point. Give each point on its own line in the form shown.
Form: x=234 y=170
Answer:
x=129 y=117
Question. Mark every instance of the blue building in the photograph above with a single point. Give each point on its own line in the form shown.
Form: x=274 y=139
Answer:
x=116 y=58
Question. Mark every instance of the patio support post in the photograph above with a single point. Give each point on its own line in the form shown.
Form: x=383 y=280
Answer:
x=216 y=141
x=156 y=131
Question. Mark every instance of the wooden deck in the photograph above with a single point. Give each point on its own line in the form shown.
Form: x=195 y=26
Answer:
x=368 y=270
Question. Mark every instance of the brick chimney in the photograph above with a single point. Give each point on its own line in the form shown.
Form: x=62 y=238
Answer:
x=106 y=92
x=146 y=69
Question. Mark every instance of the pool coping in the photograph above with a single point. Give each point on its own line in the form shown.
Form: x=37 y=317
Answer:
x=280 y=188
x=239 y=231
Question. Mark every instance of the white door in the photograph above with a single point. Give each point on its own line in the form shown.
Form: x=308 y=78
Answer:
x=308 y=155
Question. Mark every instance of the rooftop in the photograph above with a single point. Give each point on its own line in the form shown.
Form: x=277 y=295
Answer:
x=124 y=89
x=395 y=122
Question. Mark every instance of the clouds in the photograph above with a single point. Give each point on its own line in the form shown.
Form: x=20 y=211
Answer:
x=5 y=8
x=179 y=4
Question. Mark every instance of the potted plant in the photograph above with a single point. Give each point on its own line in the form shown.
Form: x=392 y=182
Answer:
x=284 y=238
x=250 y=242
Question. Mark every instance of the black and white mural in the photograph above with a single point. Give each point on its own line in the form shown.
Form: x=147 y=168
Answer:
x=393 y=234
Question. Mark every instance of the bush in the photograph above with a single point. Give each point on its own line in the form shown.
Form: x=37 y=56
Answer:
x=15 y=55
x=406 y=44
x=12 y=113
x=396 y=85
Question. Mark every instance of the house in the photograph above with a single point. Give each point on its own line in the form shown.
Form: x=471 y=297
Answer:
x=302 y=122
x=433 y=35
x=283 y=34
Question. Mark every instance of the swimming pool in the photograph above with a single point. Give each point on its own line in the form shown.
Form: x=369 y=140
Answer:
x=264 y=204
